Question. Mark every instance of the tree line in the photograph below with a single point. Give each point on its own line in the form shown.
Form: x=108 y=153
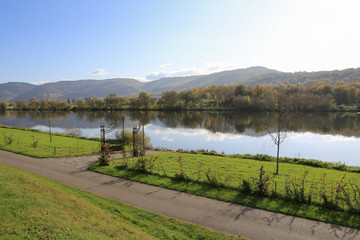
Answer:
x=323 y=96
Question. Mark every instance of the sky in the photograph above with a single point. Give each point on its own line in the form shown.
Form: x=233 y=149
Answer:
x=45 y=41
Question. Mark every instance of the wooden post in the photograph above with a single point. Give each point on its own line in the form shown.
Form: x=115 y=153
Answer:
x=123 y=133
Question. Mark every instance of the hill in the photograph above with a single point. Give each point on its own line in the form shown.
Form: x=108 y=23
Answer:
x=9 y=91
x=63 y=90
x=231 y=77
x=306 y=78
x=82 y=88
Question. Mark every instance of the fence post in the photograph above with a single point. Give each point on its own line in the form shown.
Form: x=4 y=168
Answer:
x=54 y=150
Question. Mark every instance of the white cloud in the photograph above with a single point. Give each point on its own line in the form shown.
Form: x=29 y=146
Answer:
x=298 y=135
x=166 y=138
x=165 y=65
x=99 y=71
x=41 y=82
x=208 y=136
x=325 y=137
x=221 y=137
x=206 y=69
x=338 y=138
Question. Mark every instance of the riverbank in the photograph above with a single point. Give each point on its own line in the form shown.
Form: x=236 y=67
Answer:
x=32 y=142
x=226 y=185
x=303 y=191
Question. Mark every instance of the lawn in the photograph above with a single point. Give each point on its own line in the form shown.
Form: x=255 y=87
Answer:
x=37 y=144
x=33 y=207
x=316 y=193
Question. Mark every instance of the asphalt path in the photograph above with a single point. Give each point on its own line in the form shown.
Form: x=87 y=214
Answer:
x=222 y=216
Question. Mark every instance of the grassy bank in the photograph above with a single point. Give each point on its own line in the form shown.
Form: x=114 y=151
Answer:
x=37 y=144
x=33 y=207
x=304 y=191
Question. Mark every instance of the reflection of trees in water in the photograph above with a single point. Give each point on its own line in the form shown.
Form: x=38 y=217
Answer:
x=46 y=115
x=141 y=116
x=20 y=114
x=225 y=122
x=4 y=114
x=170 y=119
x=259 y=122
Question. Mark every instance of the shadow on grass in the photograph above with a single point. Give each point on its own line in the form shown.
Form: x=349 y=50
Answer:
x=235 y=197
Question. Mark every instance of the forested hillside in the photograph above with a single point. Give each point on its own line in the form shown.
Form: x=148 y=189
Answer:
x=81 y=89
x=320 y=97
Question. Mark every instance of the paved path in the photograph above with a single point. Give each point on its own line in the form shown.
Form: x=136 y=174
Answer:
x=231 y=218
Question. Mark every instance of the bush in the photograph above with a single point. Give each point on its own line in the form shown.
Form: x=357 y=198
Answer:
x=128 y=138
x=73 y=131
x=3 y=105
x=8 y=139
x=105 y=155
x=246 y=187
x=35 y=142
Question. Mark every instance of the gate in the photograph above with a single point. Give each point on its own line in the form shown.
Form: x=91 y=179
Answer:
x=104 y=131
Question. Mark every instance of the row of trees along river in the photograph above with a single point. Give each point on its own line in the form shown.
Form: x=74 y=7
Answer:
x=320 y=97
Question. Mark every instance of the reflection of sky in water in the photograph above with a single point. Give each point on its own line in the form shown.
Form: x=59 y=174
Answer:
x=333 y=148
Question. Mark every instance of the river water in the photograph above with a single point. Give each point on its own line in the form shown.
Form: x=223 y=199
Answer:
x=333 y=137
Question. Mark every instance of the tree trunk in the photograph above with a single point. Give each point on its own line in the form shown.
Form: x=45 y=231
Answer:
x=277 y=156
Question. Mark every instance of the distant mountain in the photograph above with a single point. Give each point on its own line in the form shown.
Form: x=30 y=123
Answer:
x=220 y=78
x=9 y=91
x=82 y=88
x=306 y=78
x=63 y=90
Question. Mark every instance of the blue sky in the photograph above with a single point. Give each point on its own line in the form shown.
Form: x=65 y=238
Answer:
x=43 y=41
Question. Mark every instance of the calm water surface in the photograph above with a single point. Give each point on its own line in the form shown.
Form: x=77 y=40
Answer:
x=333 y=137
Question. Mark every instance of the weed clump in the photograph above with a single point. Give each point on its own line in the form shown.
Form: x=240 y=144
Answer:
x=105 y=156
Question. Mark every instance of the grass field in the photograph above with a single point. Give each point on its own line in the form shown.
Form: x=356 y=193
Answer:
x=298 y=190
x=34 y=207
x=37 y=144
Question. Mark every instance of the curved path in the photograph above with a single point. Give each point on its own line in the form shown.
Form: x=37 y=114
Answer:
x=227 y=217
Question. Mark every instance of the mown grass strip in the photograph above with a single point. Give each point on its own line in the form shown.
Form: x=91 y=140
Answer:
x=33 y=207
x=228 y=172
x=37 y=144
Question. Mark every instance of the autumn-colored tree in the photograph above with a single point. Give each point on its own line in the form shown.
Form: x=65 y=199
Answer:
x=169 y=99
x=21 y=104
x=33 y=103
x=189 y=97
x=3 y=105
x=143 y=100
x=111 y=101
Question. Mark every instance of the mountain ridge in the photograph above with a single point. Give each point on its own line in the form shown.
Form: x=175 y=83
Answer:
x=69 y=89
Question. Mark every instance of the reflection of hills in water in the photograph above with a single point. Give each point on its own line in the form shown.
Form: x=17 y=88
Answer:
x=249 y=124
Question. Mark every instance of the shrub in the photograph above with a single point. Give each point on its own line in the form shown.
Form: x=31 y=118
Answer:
x=35 y=142
x=246 y=187
x=8 y=139
x=213 y=179
x=262 y=184
x=105 y=155
x=181 y=175
x=128 y=138
x=73 y=131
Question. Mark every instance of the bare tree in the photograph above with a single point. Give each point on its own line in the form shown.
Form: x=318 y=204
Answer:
x=278 y=133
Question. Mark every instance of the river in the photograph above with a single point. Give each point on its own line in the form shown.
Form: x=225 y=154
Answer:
x=333 y=137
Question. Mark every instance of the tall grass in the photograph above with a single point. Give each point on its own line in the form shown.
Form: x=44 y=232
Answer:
x=298 y=184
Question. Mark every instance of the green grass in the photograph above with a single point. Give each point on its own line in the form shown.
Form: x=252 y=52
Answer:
x=61 y=146
x=33 y=207
x=227 y=174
